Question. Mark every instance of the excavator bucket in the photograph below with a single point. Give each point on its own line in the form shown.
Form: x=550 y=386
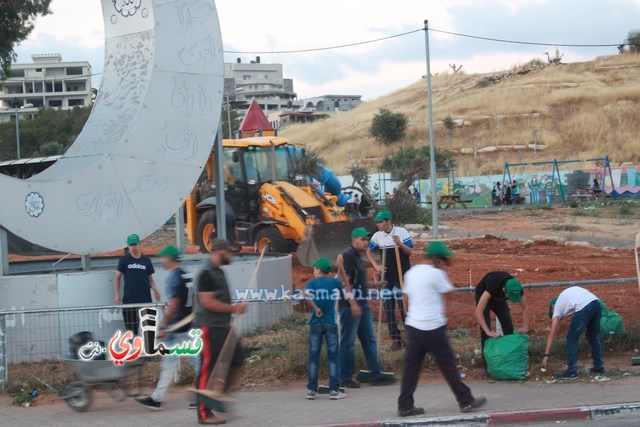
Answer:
x=329 y=239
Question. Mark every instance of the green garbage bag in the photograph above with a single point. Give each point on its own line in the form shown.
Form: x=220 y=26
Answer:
x=507 y=357
x=610 y=323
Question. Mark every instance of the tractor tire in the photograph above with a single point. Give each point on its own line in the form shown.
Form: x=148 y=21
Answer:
x=272 y=239
x=206 y=231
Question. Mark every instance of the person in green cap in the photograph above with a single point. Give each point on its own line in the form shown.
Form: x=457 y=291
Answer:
x=179 y=306
x=323 y=293
x=585 y=311
x=388 y=238
x=427 y=331
x=492 y=294
x=355 y=313
x=137 y=271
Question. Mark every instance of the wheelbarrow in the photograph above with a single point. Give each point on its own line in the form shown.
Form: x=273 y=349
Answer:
x=100 y=373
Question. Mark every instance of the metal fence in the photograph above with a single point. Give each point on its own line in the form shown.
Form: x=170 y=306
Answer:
x=28 y=336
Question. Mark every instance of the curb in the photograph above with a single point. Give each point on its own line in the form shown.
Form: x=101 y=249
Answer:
x=599 y=412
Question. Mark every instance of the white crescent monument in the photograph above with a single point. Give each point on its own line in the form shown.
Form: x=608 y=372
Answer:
x=147 y=140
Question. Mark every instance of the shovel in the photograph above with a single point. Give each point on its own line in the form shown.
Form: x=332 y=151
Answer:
x=401 y=280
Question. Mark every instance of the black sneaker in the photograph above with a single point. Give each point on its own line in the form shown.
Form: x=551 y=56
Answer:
x=477 y=402
x=349 y=384
x=410 y=412
x=148 y=402
x=566 y=375
x=594 y=371
x=382 y=380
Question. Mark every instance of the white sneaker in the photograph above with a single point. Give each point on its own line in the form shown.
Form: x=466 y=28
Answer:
x=311 y=394
x=336 y=395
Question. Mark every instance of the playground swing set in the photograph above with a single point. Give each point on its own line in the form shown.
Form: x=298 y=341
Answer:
x=557 y=186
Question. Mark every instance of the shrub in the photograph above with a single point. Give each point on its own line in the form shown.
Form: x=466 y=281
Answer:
x=388 y=126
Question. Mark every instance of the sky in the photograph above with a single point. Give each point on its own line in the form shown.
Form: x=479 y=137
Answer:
x=75 y=30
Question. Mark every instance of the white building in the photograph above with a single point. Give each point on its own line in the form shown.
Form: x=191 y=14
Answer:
x=244 y=82
x=46 y=82
x=332 y=103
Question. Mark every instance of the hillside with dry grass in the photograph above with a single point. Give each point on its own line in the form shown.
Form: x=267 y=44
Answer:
x=574 y=111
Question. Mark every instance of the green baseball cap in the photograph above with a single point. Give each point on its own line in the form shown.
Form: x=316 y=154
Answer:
x=133 y=239
x=322 y=264
x=382 y=215
x=514 y=290
x=169 y=251
x=360 y=232
x=551 y=304
x=438 y=248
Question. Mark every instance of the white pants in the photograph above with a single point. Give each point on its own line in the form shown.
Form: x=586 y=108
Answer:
x=169 y=365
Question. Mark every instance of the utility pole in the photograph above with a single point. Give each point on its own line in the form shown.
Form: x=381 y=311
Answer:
x=432 y=150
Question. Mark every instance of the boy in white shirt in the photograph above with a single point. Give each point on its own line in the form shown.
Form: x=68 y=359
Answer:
x=586 y=311
x=388 y=237
x=427 y=331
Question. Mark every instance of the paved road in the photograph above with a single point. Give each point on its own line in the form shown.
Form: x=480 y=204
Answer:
x=290 y=408
x=629 y=422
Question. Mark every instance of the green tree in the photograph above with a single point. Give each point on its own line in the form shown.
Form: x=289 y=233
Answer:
x=17 y=18
x=48 y=127
x=388 y=126
x=51 y=148
x=448 y=127
x=409 y=165
x=412 y=163
x=235 y=122
x=309 y=164
x=633 y=41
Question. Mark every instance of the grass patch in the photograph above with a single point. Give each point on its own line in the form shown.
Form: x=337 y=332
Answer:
x=565 y=227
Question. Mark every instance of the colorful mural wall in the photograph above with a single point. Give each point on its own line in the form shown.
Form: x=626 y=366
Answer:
x=534 y=187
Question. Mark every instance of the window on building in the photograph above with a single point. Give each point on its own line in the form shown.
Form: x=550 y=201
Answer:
x=246 y=77
x=38 y=70
x=55 y=103
x=16 y=73
x=76 y=102
x=57 y=87
x=74 y=71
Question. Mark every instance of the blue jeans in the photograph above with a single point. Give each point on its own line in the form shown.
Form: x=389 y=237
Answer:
x=586 y=319
x=393 y=295
x=362 y=327
x=169 y=365
x=316 y=332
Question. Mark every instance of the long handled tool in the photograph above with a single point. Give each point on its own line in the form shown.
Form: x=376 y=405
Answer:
x=380 y=300
x=365 y=376
x=401 y=281
x=637 y=261
x=635 y=361
x=214 y=391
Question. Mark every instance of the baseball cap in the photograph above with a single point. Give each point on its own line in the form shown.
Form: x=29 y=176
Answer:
x=169 y=251
x=551 y=304
x=514 y=290
x=438 y=248
x=322 y=264
x=222 y=245
x=133 y=239
x=382 y=215
x=360 y=232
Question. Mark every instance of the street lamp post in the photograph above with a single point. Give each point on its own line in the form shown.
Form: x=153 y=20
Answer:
x=432 y=154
